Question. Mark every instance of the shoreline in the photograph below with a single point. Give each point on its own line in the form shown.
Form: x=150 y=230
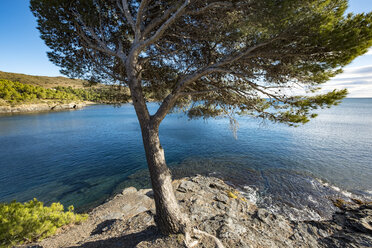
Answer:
x=127 y=220
x=47 y=106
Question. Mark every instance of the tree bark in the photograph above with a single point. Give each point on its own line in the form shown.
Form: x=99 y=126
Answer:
x=169 y=217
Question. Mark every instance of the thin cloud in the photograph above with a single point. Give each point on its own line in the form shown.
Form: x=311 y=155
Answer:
x=347 y=84
x=351 y=79
x=357 y=70
x=364 y=69
x=358 y=81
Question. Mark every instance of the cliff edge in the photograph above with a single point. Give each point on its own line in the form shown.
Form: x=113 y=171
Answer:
x=127 y=220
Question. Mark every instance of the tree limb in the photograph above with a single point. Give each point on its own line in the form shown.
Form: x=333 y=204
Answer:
x=197 y=92
x=170 y=100
x=231 y=58
x=102 y=45
x=254 y=85
x=164 y=26
x=159 y=20
x=138 y=27
x=124 y=8
x=212 y=5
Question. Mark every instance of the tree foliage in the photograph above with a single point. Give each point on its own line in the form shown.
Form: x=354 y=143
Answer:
x=32 y=221
x=215 y=57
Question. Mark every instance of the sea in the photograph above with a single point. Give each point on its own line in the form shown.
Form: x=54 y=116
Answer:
x=84 y=157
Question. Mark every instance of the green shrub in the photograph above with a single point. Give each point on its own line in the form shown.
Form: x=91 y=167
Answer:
x=32 y=221
x=15 y=92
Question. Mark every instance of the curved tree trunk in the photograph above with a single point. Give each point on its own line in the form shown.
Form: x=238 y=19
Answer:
x=169 y=217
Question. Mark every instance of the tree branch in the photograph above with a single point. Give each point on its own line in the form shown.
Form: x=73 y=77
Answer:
x=108 y=71
x=170 y=100
x=255 y=86
x=142 y=6
x=212 y=5
x=102 y=45
x=159 y=20
x=232 y=58
x=124 y=8
x=165 y=25
x=197 y=92
x=93 y=46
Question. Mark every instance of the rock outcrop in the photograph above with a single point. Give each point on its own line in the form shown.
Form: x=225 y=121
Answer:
x=40 y=107
x=218 y=209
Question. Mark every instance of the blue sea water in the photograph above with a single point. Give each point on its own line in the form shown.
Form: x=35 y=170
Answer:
x=83 y=157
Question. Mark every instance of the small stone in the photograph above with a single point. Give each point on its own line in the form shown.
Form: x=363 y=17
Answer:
x=129 y=190
x=223 y=232
x=217 y=185
x=221 y=206
x=262 y=214
x=221 y=198
x=238 y=229
x=199 y=201
x=147 y=219
x=188 y=186
x=113 y=216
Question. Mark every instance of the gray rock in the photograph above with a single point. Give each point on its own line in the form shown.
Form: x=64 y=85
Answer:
x=113 y=216
x=221 y=206
x=40 y=107
x=263 y=215
x=186 y=186
x=221 y=198
x=130 y=190
x=147 y=192
x=129 y=217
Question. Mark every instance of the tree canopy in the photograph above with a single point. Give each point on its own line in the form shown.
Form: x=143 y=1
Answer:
x=222 y=57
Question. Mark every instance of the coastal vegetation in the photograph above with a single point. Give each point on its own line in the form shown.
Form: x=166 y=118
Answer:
x=43 y=81
x=266 y=59
x=16 y=88
x=22 y=93
x=32 y=221
x=15 y=92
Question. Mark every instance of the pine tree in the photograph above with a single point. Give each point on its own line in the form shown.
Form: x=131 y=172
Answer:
x=207 y=57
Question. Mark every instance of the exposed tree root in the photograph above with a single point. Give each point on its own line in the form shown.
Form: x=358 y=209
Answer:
x=191 y=243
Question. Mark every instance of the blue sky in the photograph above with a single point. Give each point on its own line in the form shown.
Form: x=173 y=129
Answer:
x=22 y=50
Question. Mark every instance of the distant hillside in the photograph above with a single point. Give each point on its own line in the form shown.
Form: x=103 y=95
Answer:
x=45 y=82
x=21 y=89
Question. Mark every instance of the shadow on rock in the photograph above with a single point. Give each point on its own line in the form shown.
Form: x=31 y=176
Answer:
x=102 y=227
x=352 y=226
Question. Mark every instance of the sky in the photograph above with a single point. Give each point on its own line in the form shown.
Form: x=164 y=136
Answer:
x=23 y=51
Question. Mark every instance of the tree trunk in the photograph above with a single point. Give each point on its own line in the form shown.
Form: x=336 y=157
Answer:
x=169 y=217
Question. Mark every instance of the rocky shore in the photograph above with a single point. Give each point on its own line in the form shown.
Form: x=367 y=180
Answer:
x=214 y=207
x=41 y=107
